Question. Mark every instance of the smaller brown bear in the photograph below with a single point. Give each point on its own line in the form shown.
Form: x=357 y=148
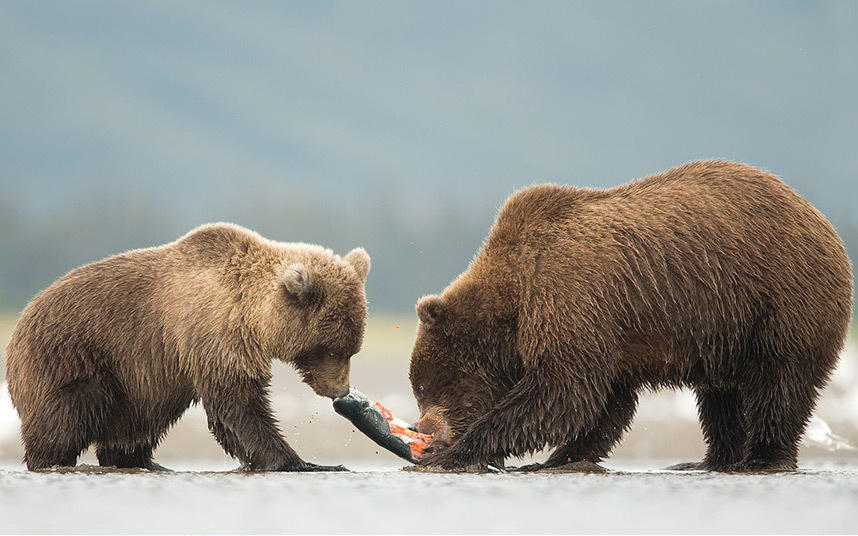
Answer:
x=115 y=351
x=714 y=276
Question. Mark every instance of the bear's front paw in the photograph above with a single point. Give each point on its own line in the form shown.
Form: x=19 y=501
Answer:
x=473 y=468
x=449 y=460
x=580 y=466
x=686 y=466
x=290 y=467
x=529 y=468
x=307 y=467
x=325 y=468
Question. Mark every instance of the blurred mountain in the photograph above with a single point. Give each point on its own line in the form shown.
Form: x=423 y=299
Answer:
x=399 y=126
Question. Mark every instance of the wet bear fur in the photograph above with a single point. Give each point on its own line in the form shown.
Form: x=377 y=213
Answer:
x=714 y=276
x=114 y=352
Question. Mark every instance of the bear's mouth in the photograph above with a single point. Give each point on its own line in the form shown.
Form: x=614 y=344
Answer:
x=434 y=422
x=326 y=374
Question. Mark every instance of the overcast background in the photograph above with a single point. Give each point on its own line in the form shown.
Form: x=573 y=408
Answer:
x=397 y=126
x=400 y=127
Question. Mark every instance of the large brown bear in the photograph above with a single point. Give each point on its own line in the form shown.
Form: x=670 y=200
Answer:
x=115 y=351
x=713 y=275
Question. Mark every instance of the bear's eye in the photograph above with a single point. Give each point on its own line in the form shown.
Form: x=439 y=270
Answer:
x=420 y=388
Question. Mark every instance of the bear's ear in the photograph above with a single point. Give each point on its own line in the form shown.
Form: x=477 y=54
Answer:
x=359 y=259
x=298 y=282
x=431 y=310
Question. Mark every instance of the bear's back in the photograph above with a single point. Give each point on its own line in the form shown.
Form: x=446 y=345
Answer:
x=114 y=308
x=709 y=205
x=713 y=248
x=85 y=311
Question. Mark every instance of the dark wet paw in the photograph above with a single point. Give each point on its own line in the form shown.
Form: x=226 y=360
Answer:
x=83 y=468
x=714 y=467
x=529 y=468
x=158 y=468
x=303 y=467
x=312 y=467
x=582 y=466
x=686 y=466
x=439 y=459
x=764 y=468
x=471 y=469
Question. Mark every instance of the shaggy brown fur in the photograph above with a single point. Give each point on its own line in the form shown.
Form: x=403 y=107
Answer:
x=713 y=275
x=115 y=351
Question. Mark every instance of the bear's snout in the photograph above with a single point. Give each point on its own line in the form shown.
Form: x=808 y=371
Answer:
x=432 y=422
x=327 y=375
x=341 y=391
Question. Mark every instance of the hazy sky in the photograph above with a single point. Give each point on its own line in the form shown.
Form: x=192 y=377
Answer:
x=402 y=112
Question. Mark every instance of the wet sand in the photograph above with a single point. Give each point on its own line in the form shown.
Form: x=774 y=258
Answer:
x=636 y=497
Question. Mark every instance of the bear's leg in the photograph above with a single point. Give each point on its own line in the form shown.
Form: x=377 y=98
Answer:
x=517 y=425
x=596 y=444
x=41 y=454
x=227 y=439
x=240 y=417
x=64 y=424
x=777 y=408
x=720 y=411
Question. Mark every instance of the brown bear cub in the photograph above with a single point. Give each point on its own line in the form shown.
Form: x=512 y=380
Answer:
x=712 y=275
x=115 y=351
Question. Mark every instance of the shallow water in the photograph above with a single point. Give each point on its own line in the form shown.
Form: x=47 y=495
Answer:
x=821 y=498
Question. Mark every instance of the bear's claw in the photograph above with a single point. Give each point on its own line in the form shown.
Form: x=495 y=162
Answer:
x=312 y=467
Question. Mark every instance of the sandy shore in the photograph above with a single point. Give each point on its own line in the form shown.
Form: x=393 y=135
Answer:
x=820 y=499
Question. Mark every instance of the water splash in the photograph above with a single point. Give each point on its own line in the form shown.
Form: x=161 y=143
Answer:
x=9 y=421
x=819 y=434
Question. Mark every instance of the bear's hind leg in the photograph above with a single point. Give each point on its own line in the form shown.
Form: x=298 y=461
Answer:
x=40 y=455
x=777 y=407
x=63 y=425
x=720 y=410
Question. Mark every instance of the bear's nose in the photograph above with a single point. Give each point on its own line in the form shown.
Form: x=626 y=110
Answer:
x=413 y=427
x=340 y=392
